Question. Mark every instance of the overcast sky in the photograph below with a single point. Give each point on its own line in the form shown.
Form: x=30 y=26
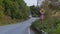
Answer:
x=32 y=2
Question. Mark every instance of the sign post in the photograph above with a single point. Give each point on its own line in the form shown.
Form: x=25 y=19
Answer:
x=42 y=11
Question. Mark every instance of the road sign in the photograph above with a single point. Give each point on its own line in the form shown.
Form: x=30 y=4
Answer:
x=42 y=11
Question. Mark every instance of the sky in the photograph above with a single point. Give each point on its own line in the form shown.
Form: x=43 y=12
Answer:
x=31 y=2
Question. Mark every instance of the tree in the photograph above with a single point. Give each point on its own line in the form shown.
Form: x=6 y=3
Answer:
x=34 y=11
x=16 y=9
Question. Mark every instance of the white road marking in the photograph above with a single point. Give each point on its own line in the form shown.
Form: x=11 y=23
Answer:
x=29 y=30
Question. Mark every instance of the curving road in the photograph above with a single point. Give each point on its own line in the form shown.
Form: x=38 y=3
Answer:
x=20 y=28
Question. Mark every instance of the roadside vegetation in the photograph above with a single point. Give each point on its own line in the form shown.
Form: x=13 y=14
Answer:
x=51 y=23
x=13 y=11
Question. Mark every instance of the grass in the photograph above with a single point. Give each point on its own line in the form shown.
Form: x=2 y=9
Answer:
x=58 y=28
x=49 y=25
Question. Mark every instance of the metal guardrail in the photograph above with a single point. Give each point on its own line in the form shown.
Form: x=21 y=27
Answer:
x=43 y=32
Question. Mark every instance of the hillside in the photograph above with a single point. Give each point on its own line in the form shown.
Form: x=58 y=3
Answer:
x=13 y=10
x=51 y=22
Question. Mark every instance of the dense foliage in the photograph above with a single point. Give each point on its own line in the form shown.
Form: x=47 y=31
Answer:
x=51 y=23
x=35 y=11
x=16 y=9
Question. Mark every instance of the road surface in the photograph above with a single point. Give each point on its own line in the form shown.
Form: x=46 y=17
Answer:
x=20 y=28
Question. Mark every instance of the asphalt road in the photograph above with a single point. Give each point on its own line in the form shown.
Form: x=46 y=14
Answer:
x=20 y=28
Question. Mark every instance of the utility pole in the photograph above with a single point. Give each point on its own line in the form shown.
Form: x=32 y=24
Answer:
x=38 y=7
x=38 y=3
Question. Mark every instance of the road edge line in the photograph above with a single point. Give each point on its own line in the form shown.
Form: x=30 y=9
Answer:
x=29 y=30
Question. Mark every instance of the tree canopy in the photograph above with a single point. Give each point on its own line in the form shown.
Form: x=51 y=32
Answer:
x=14 y=8
x=13 y=11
